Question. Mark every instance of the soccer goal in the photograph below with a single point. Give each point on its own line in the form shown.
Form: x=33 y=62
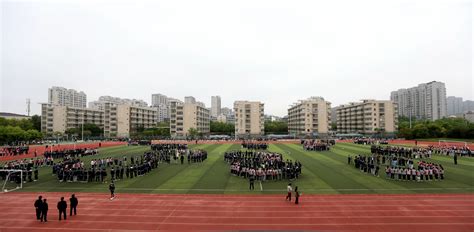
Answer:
x=450 y=143
x=12 y=179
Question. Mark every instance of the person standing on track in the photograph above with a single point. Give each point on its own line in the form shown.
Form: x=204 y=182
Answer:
x=297 y=195
x=289 y=189
x=44 y=211
x=62 y=206
x=38 y=204
x=74 y=202
x=112 y=190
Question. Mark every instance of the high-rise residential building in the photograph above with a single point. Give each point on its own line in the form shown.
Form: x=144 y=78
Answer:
x=115 y=120
x=334 y=115
x=189 y=100
x=454 y=105
x=229 y=115
x=425 y=101
x=249 y=119
x=310 y=117
x=59 y=96
x=159 y=99
x=122 y=120
x=367 y=117
x=468 y=106
x=184 y=116
x=215 y=106
x=162 y=104
x=55 y=118
x=99 y=104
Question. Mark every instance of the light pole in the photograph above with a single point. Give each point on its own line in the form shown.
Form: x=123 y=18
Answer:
x=82 y=130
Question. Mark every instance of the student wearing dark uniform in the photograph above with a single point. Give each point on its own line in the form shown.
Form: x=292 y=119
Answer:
x=297 y=195
x=62 y=206
x=73 y=202
x=38 y=204
x=36 y=173
x=112 y=190
x=455 y=159
x=182 y=158
x=252 y=180
x=44 y=211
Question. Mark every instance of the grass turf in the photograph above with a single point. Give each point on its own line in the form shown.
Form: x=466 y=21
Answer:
x=323 y=172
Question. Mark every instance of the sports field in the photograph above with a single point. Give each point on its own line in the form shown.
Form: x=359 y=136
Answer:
x=323 y=173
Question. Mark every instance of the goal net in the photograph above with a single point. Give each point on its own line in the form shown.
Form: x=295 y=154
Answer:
x=11 y=179
x=450 y=143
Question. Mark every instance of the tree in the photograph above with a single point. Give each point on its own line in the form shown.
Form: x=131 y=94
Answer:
x=276 y=127
x=93 y=129
x=193 y=132
x=222 y=128
x=36 y=120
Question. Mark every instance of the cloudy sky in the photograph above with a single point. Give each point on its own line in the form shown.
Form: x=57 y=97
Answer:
x=274 y=51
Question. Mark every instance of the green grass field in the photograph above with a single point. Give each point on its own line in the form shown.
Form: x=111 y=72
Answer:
x=323 y=173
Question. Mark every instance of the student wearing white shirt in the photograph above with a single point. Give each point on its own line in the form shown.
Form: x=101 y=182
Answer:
x=289 y=189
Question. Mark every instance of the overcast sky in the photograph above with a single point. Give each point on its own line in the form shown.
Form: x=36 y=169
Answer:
x=273 y=51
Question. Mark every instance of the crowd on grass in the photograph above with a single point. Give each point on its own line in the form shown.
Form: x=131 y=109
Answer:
x=400 y=163
x=14 y=150
x=72 y=169
x=254 y=145
x=262 y=165
x=77 y=153
x=29 y=168
x=175 y=153
x=316 y=145
x=370 y=141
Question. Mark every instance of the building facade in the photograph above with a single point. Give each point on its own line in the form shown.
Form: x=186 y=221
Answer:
x=367 y=117
x=61 y=118
x=184 y=116
x=100 y=104
x=215 y=106
x=249 y=119
x=426 y=101
x=59 y=96
x=310 y=117
x=454 y=105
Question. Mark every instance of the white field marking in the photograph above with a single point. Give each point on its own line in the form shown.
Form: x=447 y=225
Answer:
x=261 y=187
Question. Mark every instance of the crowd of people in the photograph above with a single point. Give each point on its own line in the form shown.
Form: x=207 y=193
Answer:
x=262 y=165
x=72 y=169
x=175 y=153
x=254 y=145
x=316 y=145
x=79 y=152
x=28 y=167
x=400 y=164
x=14 y=150
x=370 y=141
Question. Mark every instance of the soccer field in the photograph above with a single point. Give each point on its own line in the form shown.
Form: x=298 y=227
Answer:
x=323 y=172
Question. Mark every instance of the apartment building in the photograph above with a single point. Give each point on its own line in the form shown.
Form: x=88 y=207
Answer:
x=122 y=120
x=61 y=118
x=425 y=101
x=367 y=117
x=184 y=116
x=59 y=96
x=310 y=117
x=100 y=104
x=249 y=119
x=215 y=106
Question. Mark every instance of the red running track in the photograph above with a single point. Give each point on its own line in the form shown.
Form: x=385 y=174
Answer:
x=420 y=212
x=40 y=149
